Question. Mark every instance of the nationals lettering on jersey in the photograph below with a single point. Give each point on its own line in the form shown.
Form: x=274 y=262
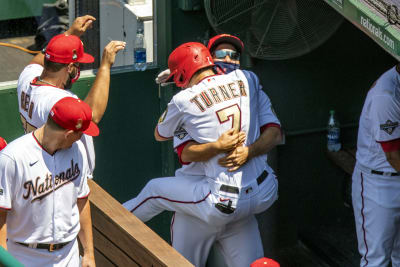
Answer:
x=207 y=98
x=43 y=189
x=210 y=108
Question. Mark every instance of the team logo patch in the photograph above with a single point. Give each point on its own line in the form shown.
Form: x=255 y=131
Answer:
x=74 y=55
x=389 y=126
x=180 y=133
x=78 y=124
x=162 y=118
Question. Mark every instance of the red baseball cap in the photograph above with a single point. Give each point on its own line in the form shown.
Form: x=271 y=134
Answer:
x=264 y=262
x=66 y=49
x=74 y=114
x=3 y=143
x=225 y=38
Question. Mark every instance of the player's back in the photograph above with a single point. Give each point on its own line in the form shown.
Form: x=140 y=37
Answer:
x=215 y=105
x=36 y=100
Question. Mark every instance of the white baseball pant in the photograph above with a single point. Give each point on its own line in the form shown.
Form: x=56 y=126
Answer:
x=67 y=256
x=376 y=205
x=238 y=241
x=197 y=196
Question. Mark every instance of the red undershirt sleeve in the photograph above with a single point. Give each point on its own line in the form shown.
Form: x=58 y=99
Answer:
x=179 y=150
x=390 y=146
x=264 y=127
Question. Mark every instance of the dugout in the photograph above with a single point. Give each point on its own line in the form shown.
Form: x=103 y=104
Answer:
x=311 y=224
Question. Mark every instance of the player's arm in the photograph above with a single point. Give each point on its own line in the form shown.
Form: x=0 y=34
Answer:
x=269 y=138
x=195 y=152
x=85 y=233
x=271 y=135
x=394 y=159
x=97 y=97
x=3 y=228
x=169 y=122
x=385 y=128
x=160 y=138
x=78 y=28
x=392 y=152
x=7 y=185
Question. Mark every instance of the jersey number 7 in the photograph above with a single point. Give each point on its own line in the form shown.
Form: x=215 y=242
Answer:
x=232 y=112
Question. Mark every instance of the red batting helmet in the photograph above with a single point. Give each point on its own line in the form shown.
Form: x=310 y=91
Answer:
x=3 y=143
x=225 y=38
x=264 y=262
x=186 y=60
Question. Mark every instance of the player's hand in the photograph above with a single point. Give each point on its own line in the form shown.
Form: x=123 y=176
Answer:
x=88 y=261
x=229 y=140
x=235 y=159
x=162 y=77
x=109 y=52
x=80 y=25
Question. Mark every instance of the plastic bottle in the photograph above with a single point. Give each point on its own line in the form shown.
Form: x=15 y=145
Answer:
x=139 y=52
x=333 y=133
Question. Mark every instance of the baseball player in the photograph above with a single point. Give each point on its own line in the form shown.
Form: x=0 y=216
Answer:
x=44 y=190
x=49 y=76
x=225 y=50
x=3 y=143
x=217 y=200
x=376 y=176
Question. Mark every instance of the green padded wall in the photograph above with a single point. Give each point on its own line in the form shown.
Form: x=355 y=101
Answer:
x=16 y=9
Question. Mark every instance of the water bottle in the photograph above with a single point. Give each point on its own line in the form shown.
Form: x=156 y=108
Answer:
x=139 y=52
x=333 y=133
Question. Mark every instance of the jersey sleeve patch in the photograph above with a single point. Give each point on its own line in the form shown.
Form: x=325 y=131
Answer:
x=385 y=118
x=169 y=121
x=180 y=133
x=162 y=118
x=389 y=126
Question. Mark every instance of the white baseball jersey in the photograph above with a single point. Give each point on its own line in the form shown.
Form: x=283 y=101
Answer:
x=41 y=190
x=379 y=121
x=210 y=108
x=35 y=102
x=266 y=116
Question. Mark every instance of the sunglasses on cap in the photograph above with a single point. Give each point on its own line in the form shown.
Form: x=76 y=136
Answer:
x=221 y=54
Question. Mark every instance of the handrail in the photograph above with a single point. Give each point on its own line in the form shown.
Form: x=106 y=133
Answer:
x=121 y=239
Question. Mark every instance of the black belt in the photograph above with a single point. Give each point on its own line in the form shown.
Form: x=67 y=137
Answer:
x=385 y=173
x=224 y=208
x=228 y=209
x=235 y=190
x=49 y=247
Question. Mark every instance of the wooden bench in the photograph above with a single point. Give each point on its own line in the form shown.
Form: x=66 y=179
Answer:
x=121 y=239
x=345 y=159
